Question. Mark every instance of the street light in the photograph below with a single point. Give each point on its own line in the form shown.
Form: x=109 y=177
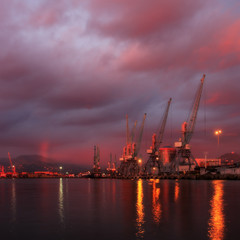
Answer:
x=218 y=133
x=60 y=168
x=140 y=165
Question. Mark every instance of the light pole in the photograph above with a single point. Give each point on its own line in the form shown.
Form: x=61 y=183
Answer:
x=205 y=162
x=60 y=168
x=140 y=165
x=218 y=133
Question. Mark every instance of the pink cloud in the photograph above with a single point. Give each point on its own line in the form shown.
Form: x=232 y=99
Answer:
x=214 y=98
x=45 y=17
x=138 y=19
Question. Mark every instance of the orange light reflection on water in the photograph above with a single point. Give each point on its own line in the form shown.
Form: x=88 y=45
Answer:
x=176 y=191
x=140 y=209
x=156 y=206
x=216 y=224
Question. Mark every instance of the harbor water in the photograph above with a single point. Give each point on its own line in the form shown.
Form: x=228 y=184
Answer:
x=119 y=209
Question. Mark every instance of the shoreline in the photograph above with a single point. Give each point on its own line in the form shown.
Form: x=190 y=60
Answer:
x=189 y=176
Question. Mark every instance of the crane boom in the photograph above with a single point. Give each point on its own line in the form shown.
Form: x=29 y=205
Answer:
x=133 y=132
x=10 y=160
x=164 y=120
x=189 y=126
x=127 y=130
x=12 y=166
x=140 y=135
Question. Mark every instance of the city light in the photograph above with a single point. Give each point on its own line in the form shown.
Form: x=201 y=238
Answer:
x=218 y=133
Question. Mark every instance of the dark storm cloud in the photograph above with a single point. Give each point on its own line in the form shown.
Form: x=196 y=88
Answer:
x=70 y=71
x=109 y=114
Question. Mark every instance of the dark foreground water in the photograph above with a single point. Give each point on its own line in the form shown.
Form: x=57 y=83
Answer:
x=119 y=209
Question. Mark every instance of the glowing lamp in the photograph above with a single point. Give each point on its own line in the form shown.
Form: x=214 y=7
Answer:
x=218 y=132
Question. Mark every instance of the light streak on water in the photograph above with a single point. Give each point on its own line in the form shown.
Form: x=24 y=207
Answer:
x=176 y=191
x=216 y=224
x=61 y=201
x=156 y=205
x=140 y=210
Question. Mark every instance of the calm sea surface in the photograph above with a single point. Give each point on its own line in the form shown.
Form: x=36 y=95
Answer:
x=119 y=209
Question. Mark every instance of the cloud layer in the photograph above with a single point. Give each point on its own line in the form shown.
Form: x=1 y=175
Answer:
x=70 y=71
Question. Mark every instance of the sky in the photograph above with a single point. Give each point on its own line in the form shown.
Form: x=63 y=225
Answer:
x=71 y=70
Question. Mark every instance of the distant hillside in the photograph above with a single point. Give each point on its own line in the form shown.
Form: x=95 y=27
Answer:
x=31 y=163
x=230 y=157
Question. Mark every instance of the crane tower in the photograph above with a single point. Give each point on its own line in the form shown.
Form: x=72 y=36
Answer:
x=130 y=164
x=183 y=150
x=154 y=162
x=96 y=160
x=11 y=164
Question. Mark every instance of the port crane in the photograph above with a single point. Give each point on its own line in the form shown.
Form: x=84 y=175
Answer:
x=130 y=164
x=13 y=168
x=131 y=139
x=154 y=158
x=11 y=164
x=2 y=173
x=183 y=150
x=96 y=160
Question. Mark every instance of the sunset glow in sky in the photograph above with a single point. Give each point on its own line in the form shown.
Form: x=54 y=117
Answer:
x=71 y=70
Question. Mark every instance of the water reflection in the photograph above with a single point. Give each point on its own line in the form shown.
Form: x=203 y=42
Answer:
x=61 y=201
x=113 y=191
x=176 y=191
x=13 y=200
x=140 y=209
x=216 y=224
x=156 y=206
